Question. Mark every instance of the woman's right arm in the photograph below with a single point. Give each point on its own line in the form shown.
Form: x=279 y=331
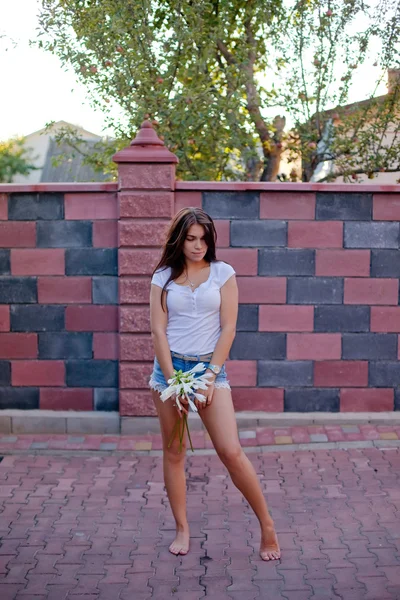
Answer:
x=158 y=324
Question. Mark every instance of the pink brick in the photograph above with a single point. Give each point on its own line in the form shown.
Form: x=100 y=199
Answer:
x=136 y=403
x=66 y=399
x=262 y=290
x=135 y=375
x=4 y=317
x=18 y=345
x=3 y=207
x=136 y=347
x=134 y=319
x=138 y=262
x=366 y=400
x=371 y=291
x=38 y=261
x=64 y=290
x=386 y=207
x=341 y=373
x=242 y=373
x=243 y=260
x=134 y=290
x=342 y=263
x=91 y=206
x=146 y=205
x=106 y=346
x=38 y=372
x=146 y=176
x=142 y=233
x=315 y=234
x=223 y=229
x=314 y=346
x=185 y=199
x=385 y=319
x=287 y=205
x=105 y=234
x=91 y=318
x=258 y=399
x=17 y=234
x=286 y=318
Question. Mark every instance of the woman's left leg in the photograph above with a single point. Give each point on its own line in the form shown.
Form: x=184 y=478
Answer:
x=220 y=422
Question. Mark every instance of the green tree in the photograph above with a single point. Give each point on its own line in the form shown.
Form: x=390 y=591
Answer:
x=15 y=159
x=221 y=78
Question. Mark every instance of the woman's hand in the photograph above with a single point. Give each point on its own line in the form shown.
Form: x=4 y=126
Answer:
x=208 y=394
x=184 y=404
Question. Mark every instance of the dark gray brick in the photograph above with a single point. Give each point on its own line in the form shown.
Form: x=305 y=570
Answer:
x=105 y=290
x=40 y=317
x=93 y=261
x=64 y=234
x=379 y=346
x=338 y=206
x=232 y=205
x=384 y=374
x=5 y=372
x=397 y=398
x=106 y=399
x=250 y=234
x=4 y=262
x=21 y=398
x=385 y=263
x=256 y=346
x=247 y=317
x=282 y=373
x=92 y=373
x=371 y=235
x=315 y=290
x=342 y=318
x=311 y=400
x=15 y=290
x=35 y=207
x=65 y=345
x=286 y=261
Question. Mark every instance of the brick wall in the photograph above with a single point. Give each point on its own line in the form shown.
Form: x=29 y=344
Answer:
x=58 y=297
x=318 y=269
x=318 y=275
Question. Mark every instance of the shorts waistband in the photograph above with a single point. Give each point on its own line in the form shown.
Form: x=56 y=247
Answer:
x=193 y=358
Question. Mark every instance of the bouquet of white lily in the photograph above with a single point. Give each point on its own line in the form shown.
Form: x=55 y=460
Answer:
x=185 y=385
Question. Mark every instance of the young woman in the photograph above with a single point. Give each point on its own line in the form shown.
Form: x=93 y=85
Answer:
x=193 y=308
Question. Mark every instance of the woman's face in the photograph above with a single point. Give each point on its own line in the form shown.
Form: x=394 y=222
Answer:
x=195 y=247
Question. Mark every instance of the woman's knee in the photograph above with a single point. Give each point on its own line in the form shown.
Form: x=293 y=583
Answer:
x=231 y=456
x=175 y=454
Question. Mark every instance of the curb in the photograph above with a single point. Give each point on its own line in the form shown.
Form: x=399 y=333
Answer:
x=98 y=422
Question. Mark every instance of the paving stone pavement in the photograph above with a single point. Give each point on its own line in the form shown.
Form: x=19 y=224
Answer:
x=98 y=528
x=250 y=436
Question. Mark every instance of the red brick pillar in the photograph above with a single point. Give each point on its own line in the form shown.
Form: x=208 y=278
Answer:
x=146 y=176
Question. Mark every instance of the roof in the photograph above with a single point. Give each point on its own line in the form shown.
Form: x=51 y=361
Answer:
x=72 y=167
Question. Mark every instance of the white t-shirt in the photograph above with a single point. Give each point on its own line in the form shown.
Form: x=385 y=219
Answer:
x=194 y=324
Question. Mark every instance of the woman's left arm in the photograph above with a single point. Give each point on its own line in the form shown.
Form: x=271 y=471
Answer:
x=229 y=312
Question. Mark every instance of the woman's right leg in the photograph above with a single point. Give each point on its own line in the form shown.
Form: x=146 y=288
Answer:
x=174 y=473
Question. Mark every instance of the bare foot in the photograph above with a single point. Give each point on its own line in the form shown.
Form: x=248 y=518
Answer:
x=180 y=545
x=269 y=546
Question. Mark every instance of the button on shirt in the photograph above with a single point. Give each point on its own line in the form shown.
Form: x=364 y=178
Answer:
x=194 y=323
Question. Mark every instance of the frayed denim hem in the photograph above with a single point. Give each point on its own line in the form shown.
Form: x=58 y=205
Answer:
x=157 y=387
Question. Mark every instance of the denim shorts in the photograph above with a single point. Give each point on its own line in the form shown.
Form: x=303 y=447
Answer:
x=157 y=380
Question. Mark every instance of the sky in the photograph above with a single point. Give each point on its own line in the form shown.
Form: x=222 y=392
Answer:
x=38 y=89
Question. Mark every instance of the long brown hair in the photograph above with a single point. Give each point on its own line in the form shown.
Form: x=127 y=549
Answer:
x=172 y=253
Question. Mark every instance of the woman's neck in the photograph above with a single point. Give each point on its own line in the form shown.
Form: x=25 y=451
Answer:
x=193 y=267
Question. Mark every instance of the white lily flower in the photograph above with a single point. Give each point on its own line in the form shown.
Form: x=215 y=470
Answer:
x=198 y=368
